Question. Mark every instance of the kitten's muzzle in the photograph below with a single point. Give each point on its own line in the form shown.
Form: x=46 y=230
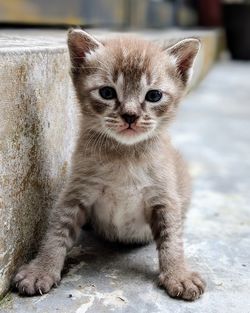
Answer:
x=130 y=118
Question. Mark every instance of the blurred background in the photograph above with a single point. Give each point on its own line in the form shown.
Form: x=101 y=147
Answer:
x=232 y=15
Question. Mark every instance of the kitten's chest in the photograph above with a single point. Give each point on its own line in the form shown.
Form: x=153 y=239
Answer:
x=119 y=212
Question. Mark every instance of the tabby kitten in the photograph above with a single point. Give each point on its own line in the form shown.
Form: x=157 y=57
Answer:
x=126 y=177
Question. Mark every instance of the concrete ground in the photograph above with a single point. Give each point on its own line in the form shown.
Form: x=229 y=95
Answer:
x=213 y=132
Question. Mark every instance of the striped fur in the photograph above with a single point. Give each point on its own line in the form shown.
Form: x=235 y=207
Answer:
x=130 y=183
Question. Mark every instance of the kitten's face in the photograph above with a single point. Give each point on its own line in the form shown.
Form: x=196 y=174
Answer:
x=129 y=87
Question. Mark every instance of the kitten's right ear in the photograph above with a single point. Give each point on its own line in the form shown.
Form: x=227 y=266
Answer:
x=80 y=43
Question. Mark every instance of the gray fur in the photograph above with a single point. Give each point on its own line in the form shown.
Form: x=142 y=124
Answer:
x=131 y=184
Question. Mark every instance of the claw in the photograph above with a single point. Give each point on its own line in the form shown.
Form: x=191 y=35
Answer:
x=40 y=291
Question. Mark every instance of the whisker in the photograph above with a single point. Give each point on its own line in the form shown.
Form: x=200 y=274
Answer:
x=113 y=126
x=110 y=119
x=112 y=122
x=144 y=123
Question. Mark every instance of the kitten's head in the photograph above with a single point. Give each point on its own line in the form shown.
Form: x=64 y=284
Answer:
x=129 y=88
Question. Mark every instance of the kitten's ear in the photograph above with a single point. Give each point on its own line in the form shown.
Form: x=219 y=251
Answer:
x=80 y=43
x=184 y=53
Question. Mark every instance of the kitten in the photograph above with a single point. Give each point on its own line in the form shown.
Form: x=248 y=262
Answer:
x=126 y=177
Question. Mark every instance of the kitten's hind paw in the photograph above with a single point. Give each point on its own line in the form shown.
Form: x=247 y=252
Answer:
x=183 y=285
x=35 y=280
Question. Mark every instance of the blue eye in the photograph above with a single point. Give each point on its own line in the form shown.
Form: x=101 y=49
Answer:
x=107 y=93
x=153 y=96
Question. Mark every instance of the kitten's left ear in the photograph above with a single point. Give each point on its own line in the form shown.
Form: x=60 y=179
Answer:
x=184 y=53
x=80 y=43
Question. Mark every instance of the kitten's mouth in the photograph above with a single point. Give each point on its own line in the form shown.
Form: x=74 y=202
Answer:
x=130 y=131
x=129 y=134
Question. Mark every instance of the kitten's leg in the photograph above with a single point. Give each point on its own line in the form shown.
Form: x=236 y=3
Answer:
x=175 y=277
x=45 y=270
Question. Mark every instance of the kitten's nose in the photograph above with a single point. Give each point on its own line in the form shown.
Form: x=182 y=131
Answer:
x=130 y=118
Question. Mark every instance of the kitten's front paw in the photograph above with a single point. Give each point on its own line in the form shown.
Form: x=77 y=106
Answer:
x=184 y=285
x=34 y=279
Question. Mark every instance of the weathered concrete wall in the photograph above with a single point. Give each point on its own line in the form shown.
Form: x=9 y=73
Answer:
x=36 y=129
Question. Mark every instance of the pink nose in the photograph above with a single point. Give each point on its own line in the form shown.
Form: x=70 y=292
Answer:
x=130 y=118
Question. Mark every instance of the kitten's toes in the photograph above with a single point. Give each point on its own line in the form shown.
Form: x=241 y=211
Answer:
x=32 y=280
x=186 y=285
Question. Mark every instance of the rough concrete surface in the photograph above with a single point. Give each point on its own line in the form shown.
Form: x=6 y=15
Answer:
x=35 y=142
x=37 y=128
x=213 y=132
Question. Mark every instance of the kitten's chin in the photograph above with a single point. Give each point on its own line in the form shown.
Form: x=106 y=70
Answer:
x=130 y=137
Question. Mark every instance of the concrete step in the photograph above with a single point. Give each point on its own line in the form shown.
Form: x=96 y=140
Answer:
x=38 y=121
